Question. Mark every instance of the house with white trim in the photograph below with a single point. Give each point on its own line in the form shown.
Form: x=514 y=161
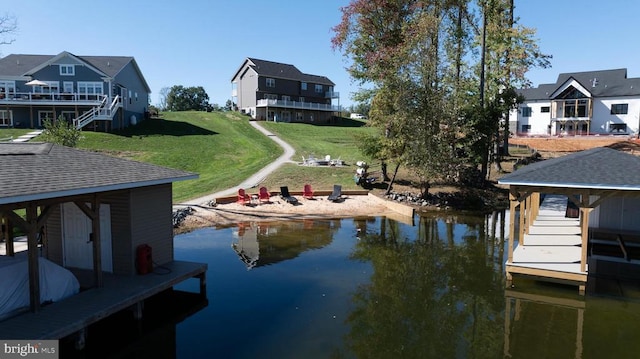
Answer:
x=581 y=103
x=97 y=92
x=273 y=91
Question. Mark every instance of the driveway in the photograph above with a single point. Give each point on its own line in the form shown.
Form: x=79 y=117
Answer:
x=255 y=180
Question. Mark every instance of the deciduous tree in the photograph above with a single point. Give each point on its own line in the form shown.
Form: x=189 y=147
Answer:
x=182 y=98
x=420 y=58
x=8 y=28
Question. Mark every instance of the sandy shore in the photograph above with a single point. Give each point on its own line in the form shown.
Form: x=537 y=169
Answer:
x=277 y=209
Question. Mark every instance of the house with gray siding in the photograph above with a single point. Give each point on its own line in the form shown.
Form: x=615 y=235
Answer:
x=604 y=102
x=273 y=91
x=94 y=92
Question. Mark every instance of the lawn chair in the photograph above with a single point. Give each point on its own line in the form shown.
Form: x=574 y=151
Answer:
x=286 y=196
x=307 y=192
x=336 y=194
x=243 y=197
x=264 y=195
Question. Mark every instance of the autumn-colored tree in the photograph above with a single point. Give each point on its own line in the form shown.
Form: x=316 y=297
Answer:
x=419 y=57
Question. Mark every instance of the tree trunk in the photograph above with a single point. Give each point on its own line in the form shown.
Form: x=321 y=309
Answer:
x=385 y=175
x=395 y=173
x=497 y=155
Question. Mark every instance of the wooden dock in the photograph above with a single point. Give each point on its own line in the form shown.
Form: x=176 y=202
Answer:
x=552 y=248
x=76 y=313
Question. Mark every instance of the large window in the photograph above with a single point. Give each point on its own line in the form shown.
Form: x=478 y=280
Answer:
x=618 y=128
x=526 y=112
x=67 y=70
x=45 y=115
x=6 y=118
x=68 y=115
x=286 y=98
x=67 y=87
x=303 y=86
x=319 y=89
x=90 y=90
x=271 y=82
x=526 y=128
x=619 y=109
x=575 y=108
x=7 y=88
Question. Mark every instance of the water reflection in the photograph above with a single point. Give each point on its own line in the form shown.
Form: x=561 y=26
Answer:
x=263 y=243
x=380 y=288
x=433 y=293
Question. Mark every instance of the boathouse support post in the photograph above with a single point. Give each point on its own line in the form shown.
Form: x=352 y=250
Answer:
x=32 y=253
x=535 y=205
x=7 y=234
x=584 y=228
x=523 y=220
x=513 y=203
x=527 y=206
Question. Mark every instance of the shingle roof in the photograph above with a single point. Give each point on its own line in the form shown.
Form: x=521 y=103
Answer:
x=597 y=168
x=608 y=83
x=19 y=64
x=33 y=170
x=285 y=71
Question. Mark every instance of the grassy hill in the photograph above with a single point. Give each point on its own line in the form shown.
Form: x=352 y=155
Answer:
x=221 y=147
x=224 y=149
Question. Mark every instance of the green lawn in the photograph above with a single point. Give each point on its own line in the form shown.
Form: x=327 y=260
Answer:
x=224 y=149
x=221 y=147
x=13 y=132
x=336 y=140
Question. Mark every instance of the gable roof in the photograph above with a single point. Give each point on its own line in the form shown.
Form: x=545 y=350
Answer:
x=36 y=170
x=280 y=70
x=602 y=83
x=21 y=65
x=597 y=168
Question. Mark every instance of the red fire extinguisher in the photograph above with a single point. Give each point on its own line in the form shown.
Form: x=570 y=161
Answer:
x=144 y=261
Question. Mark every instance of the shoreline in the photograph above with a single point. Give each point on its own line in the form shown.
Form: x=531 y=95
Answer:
x=351 y=205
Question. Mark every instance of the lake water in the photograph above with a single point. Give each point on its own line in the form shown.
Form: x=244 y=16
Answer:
x=369 y=288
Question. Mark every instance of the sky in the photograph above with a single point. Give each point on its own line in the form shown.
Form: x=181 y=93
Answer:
x=204 y=42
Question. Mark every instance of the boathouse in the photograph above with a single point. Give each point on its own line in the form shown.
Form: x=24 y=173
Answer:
x=89 y=214
x=557 y=243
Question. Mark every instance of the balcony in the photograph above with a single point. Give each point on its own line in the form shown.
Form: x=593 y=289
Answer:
x=298 y=105
x=332 y=94
x=572 y=109
x=31 y=98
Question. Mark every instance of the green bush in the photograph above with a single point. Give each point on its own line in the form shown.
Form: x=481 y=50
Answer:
x=60 y=132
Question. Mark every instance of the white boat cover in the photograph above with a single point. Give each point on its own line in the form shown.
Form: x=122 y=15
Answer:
x=56 y=283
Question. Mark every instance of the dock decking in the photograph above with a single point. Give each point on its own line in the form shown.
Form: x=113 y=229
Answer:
x=553 y=247
x=61 y=319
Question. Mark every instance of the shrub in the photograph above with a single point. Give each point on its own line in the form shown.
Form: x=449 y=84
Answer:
x=60 y=132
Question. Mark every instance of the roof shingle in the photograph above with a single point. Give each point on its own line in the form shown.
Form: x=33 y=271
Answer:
x=42 y=170
x=597 y=168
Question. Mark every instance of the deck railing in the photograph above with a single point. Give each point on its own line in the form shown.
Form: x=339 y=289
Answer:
x=103 y=112
x=298 y=105
x=34 y=97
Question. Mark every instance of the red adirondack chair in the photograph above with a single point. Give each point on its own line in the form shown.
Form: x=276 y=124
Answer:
x=264 y=195
x=243 y=197
x=307 y=192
